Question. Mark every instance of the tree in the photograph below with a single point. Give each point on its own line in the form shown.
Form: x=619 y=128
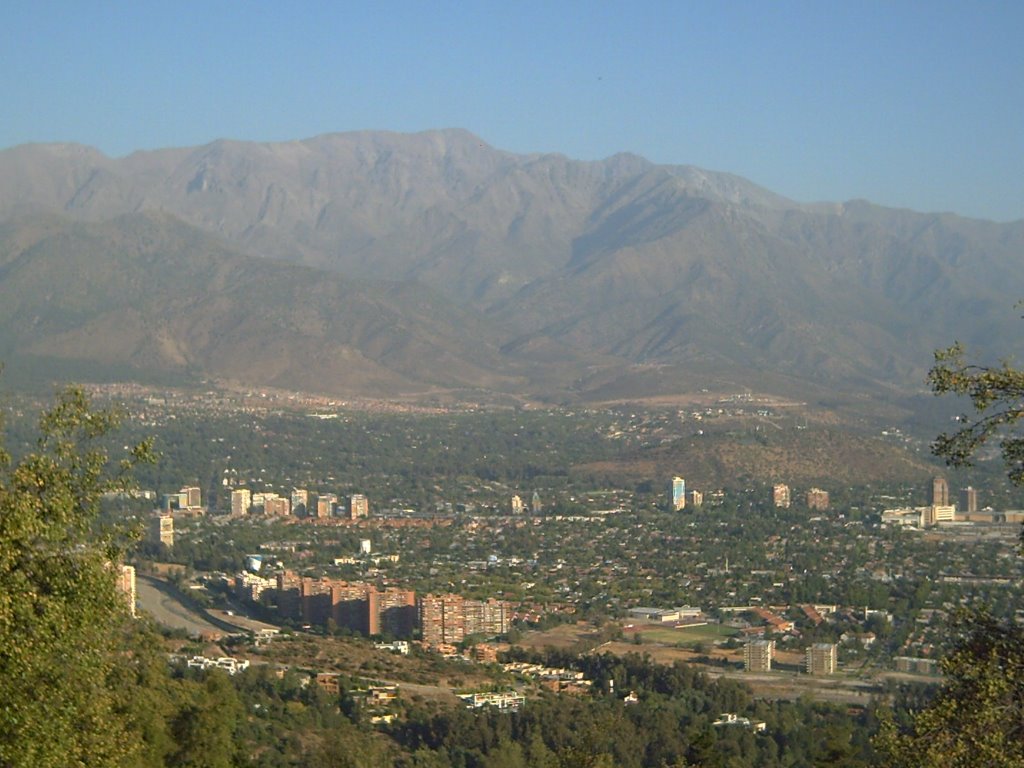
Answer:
x=977 y=718
x=60 y=612
x=204 y=729
x=997 y=395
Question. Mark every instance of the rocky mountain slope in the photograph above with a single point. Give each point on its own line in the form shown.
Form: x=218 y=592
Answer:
x=146 y=292
x=513 y=272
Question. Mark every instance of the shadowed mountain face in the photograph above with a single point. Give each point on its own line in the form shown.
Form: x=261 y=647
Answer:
x=506 y=272
x=148 y=292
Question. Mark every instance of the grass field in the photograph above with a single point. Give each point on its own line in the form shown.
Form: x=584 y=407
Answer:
x=688 y=636
x=561 y=637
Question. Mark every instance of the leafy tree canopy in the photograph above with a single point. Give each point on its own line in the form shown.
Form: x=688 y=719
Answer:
x=60 y=611
x=997 y=395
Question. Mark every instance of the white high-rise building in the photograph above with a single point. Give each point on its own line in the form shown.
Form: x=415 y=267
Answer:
x=677 y=494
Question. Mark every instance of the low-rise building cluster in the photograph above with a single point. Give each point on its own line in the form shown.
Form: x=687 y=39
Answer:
x=229 y=664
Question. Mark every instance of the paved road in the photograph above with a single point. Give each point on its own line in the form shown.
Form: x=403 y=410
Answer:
x=162 y=605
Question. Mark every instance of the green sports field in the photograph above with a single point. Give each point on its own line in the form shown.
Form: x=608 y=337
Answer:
x=707 y=633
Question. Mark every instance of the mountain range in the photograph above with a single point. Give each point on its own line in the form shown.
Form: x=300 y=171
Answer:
x=383 y=264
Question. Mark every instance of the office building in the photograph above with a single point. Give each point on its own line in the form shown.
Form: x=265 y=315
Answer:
x=780 y=495
x=677 y=494
x=757 y=655
x=300 y=502
x=518 y=507
x=940 y=492
x=358 y=506
x=535 y=505
x=695 y=499
x=941 y=514
x=821 y=659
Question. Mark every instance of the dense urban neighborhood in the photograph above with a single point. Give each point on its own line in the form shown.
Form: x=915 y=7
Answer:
x=844 y=594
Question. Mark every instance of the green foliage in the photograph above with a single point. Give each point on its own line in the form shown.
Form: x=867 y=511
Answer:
x=344 y=746
x=977 y=719
x=997 y=395
x=60 y=612
x=204 y=729
x=671 y=725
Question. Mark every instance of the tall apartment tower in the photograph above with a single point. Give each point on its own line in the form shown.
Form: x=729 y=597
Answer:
x=940 y=492
x=325 y=503
x=817 y=499
x=450 y=618
x=517 y=505
x=821 y=659
x=487 y=617
x=442 y=619
x=677 y=494
x=780 y=495
x=300 y=501
x=535 y=506
x=969 y=500
x=126 y=583
x=161 y=530
x=193 y=496
x=392 y=611
x=241 y=500
x=358 y=506
x=757 y=655
x=276 y=506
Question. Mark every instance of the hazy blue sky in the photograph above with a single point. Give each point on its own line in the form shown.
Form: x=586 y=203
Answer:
x=910 y=104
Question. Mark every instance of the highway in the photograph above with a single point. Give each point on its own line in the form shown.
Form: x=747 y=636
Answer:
x=159 y=601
